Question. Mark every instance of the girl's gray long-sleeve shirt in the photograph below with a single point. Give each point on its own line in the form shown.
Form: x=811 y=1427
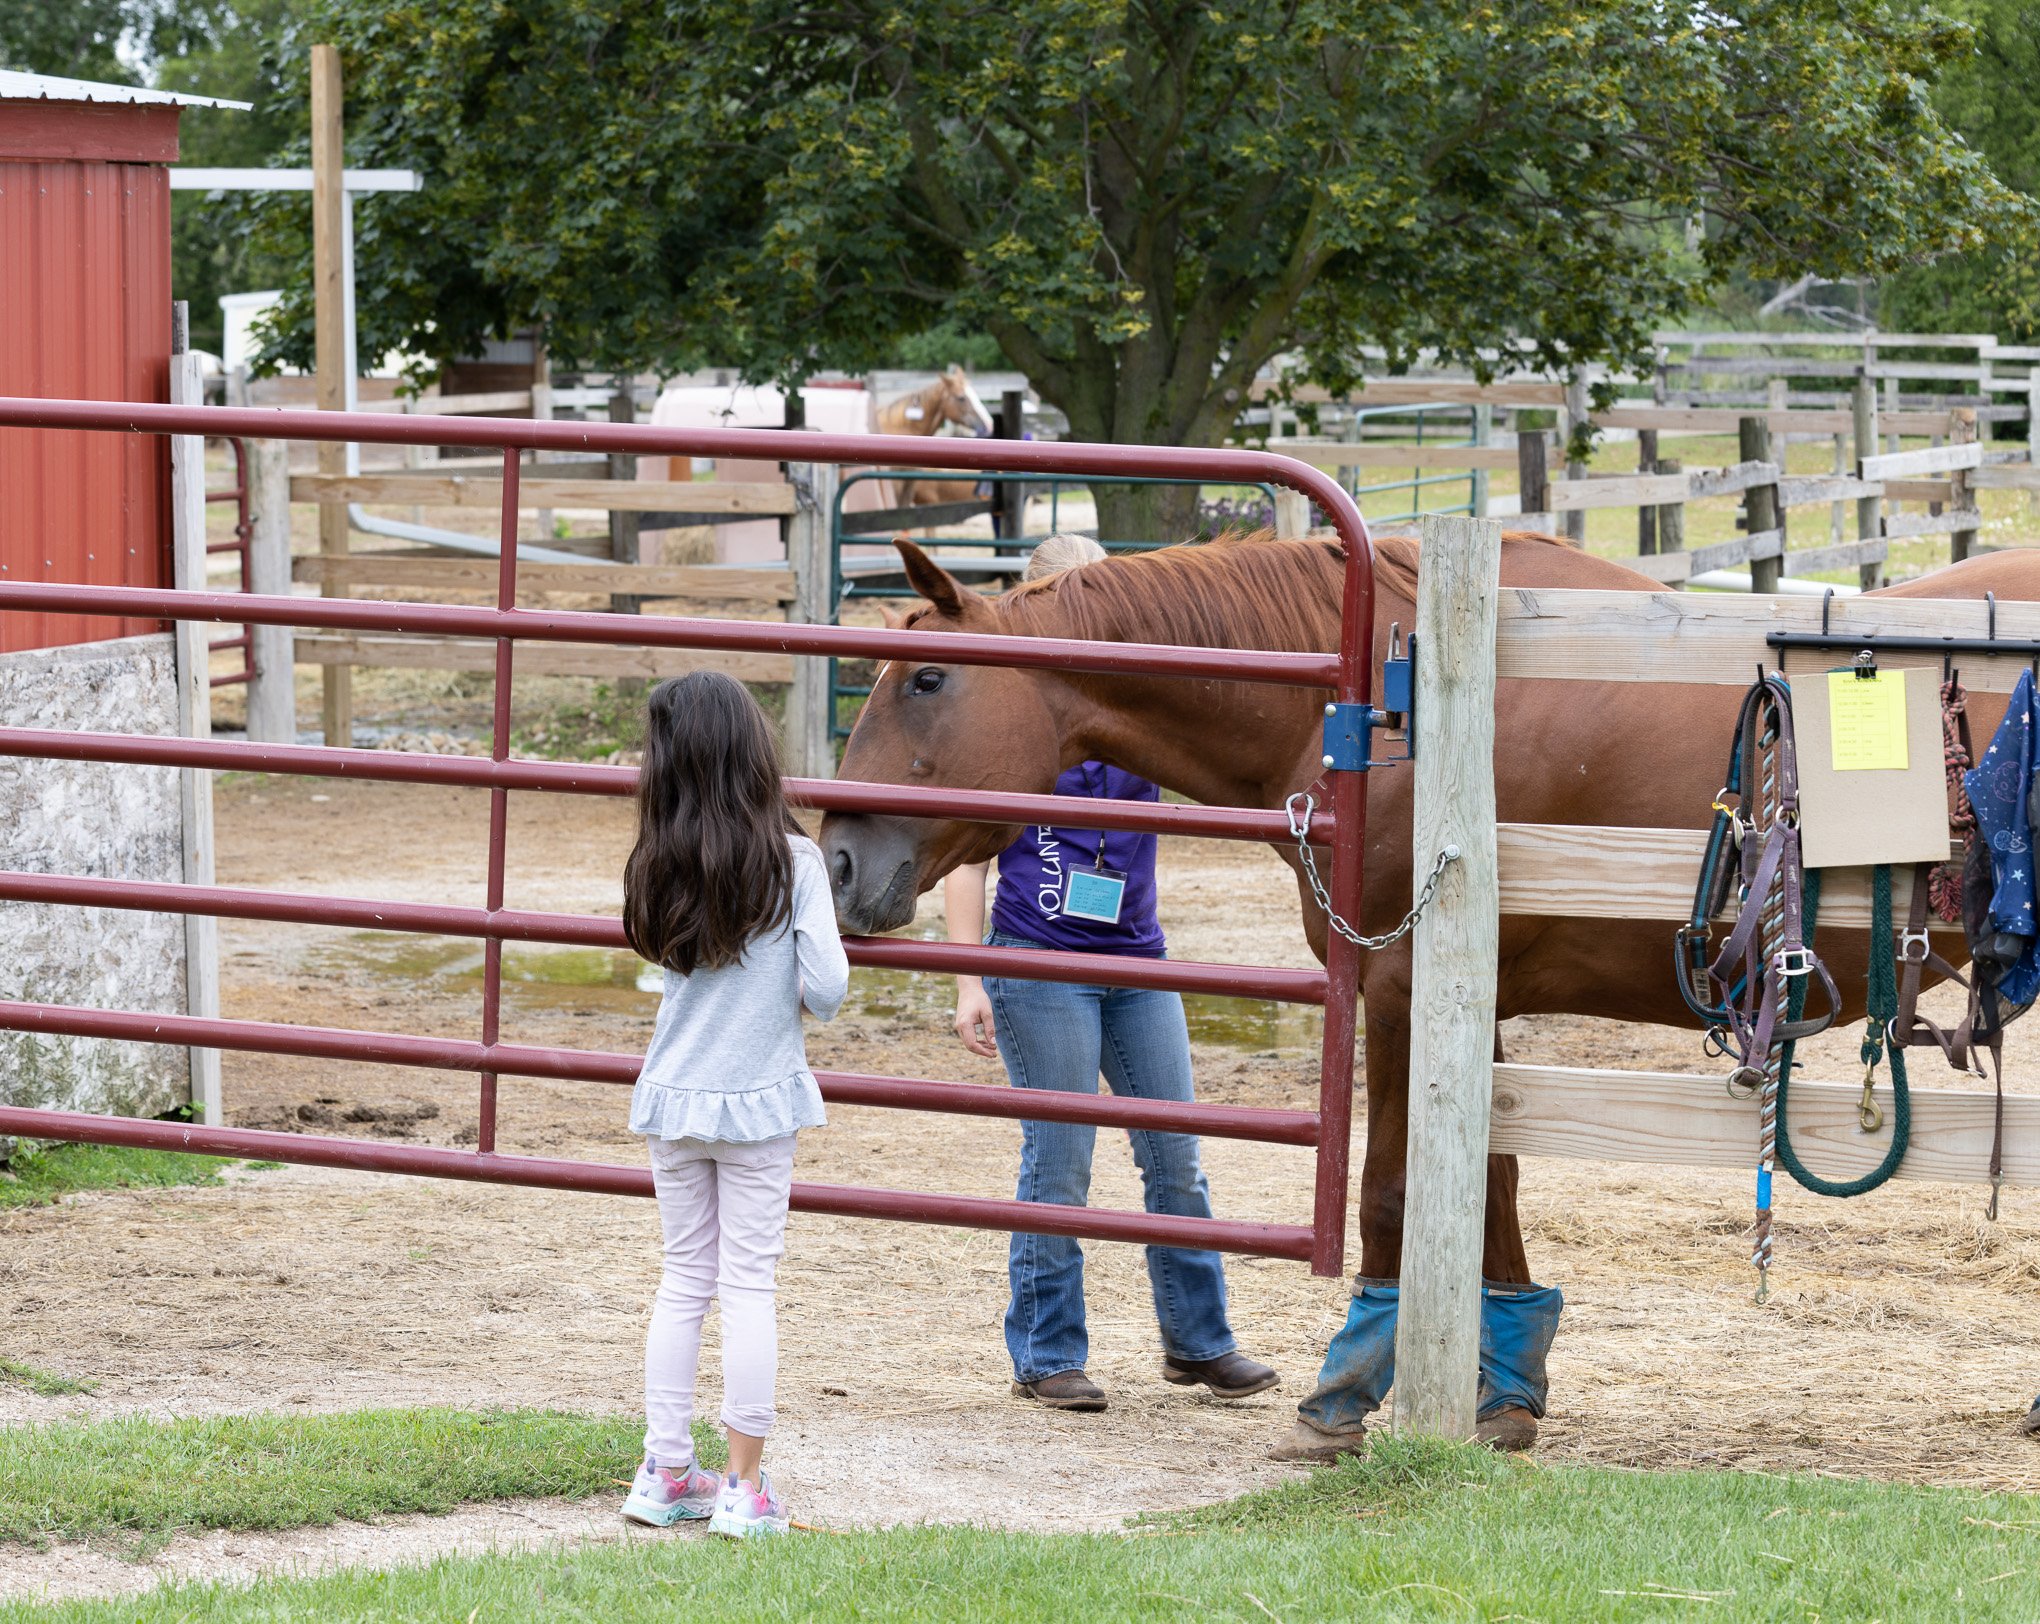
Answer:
x=727 y=1060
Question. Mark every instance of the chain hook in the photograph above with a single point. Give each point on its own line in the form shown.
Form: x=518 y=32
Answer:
x=1299 y=826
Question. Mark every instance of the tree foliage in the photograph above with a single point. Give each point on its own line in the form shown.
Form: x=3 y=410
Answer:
x=1143 y=201
x=1989 y=94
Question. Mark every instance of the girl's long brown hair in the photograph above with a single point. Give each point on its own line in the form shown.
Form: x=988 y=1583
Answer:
x=711 y=870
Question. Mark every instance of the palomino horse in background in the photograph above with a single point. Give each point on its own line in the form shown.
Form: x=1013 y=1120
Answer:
x=949 y=399
x=1618 y=755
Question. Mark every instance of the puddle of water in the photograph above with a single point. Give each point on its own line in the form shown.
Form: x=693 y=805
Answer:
x=543 y=975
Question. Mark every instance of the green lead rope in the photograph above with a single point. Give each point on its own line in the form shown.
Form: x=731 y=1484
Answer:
x=1883 y=1008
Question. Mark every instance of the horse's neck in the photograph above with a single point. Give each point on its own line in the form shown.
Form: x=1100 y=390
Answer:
x=930 y=402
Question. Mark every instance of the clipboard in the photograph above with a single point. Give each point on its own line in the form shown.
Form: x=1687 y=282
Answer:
x=1872 y=784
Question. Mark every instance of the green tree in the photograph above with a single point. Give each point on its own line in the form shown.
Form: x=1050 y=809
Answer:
x=74 y=39
x=229 y=50
x=1143 y=201
x=1990 y=95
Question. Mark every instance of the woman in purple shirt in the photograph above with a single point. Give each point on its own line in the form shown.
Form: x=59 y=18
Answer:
x=1091 y=892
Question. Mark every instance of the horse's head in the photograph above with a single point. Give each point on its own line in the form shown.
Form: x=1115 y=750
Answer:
x=961 y=405
x=957 y=726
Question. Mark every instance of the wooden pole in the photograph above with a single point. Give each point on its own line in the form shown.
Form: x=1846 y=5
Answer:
x=272 y=690
x=1646 y=515
x=1671 y=517
x=1533 y=479
x=1760 y=503
x=625 y=540
x=1574 y=418
x=1869 y=509
x=541 y=412
x=1292 y=515
x=1009 y=497
x=329 y=202
x=1452 y=997
x=1961 y=431
x=194 y=718
x=810 y=535
x=1483 y=435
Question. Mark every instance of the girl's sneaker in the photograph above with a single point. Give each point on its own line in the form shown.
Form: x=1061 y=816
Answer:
x=742 y=1511
x=659 y=1496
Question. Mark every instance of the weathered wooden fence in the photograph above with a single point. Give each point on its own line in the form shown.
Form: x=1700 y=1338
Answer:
x=1562 y=871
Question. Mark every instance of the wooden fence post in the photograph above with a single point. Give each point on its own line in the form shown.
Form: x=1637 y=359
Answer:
x=1009 y=496
x=272 y=690
x=1961 y=431
x=194 y=718
x=329 y=202
x=1483 y=435
x=1646 y=515
x=1533 y=480
x=1760 y=503
x=810 y=729
x=1671 y=516
x=1571 y=420
x=2033 y=429
x=1869 y=509
x=624 y=540
x=1292 y=515
x=1452 y=1000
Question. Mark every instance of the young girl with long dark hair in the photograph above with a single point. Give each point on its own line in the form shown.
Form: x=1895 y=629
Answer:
x=727 y=895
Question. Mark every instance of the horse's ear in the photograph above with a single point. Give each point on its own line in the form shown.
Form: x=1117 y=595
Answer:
x=893 y=619
x=932 y=581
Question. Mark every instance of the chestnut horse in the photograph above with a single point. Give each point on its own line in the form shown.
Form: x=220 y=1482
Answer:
x=1617 y=754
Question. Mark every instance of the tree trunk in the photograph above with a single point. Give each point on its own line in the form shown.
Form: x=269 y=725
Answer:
x=1164 y=513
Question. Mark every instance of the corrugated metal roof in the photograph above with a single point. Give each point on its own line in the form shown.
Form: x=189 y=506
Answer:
x=47 y=87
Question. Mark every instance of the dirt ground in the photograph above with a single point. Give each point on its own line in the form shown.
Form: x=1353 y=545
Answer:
x=1899 y=1342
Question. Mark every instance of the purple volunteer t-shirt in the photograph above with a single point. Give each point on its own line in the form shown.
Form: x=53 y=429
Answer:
x=1033 y=872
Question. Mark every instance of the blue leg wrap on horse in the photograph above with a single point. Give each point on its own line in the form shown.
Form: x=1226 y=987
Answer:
x=1360 y=1363
x=1517 y=1324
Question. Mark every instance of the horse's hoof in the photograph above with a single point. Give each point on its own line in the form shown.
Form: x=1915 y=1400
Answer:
x=1316 y=1447
x=1513 y=1429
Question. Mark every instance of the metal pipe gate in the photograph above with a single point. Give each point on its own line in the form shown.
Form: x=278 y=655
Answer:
x=1347 y=674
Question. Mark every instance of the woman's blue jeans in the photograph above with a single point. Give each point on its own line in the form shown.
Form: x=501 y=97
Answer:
x=1053 y=1035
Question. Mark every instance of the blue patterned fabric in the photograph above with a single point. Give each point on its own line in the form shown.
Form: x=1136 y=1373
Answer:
x=1998 y=787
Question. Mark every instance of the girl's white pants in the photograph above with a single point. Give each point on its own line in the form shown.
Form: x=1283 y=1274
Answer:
x=723 y=1210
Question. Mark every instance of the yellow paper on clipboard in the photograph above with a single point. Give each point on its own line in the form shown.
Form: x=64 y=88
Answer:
x=1866 y=722
x=1872 y=788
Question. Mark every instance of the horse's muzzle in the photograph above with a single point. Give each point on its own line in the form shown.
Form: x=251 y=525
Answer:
x=872 y=868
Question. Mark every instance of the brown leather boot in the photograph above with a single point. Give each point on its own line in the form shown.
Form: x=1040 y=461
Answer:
x=1230 y=1375
x=1315 y=1447
x=1513 y=1429
x=1065 y=1390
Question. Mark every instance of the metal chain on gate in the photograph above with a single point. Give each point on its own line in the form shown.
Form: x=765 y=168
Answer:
x=1299 y=826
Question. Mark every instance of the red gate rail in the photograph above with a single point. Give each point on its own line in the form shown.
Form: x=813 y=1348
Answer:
x=1346 y=674
x=581 y=778
x=1291 y=1241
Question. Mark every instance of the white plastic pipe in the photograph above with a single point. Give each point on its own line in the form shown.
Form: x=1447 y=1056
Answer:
x=1790 y=587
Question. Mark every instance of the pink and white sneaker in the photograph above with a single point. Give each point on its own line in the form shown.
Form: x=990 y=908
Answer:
x=743 y=1510
x=659 y=1496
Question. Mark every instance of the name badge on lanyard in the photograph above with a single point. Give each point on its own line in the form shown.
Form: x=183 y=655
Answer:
x=1095 y=894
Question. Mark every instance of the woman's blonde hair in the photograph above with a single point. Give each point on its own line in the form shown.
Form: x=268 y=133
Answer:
x=1064 y=550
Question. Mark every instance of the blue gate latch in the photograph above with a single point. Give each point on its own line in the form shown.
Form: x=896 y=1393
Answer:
x=1349 y=728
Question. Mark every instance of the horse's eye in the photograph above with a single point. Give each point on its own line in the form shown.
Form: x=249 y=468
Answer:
x=925 y=681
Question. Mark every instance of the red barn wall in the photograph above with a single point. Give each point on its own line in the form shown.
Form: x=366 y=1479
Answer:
x=84 y=314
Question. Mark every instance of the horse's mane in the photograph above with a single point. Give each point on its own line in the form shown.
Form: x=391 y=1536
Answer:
x=1243 y=590
x=1395 y=557
x=1240 y=591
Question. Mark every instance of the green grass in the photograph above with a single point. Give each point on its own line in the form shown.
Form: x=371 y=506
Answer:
x=137 y=1479
x=36 y=1177
x=1413 y=1532
x=47 y=1383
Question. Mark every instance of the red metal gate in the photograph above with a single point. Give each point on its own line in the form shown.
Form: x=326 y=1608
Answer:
x=1346 y=673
